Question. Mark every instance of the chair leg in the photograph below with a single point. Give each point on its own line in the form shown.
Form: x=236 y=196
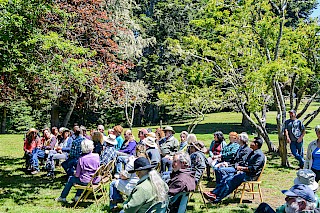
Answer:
x=203 y=199
x=242 y=193
x=95 y=197
x=81 y=197
x=235 y=193
x=260 y=193
x=252 y=189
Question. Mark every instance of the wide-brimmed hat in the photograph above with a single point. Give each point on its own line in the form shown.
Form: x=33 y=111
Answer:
x=150 y=141
x=151 y=134
x=143 y=130
x=300 y=190
x=199 y=145
x=306 y=177
x=169 y=128
x=32 y=130
x=141 y=163
x=111 y=139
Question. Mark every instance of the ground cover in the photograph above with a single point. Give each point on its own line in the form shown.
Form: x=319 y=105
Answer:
x=20 y=192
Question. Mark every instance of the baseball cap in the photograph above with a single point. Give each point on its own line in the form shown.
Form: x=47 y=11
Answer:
x=300 y=190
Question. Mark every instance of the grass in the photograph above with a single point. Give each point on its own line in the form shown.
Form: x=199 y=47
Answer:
x=20 y=192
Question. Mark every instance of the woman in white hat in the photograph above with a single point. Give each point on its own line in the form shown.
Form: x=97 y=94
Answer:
x=109 y=152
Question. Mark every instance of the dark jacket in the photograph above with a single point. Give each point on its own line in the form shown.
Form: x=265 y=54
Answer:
x=255 y=163
x=181 y=181
x=241 y=156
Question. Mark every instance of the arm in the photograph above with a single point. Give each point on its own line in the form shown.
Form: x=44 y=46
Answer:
x=131 y=146
x=78 y=170
x=300 y=139
x=199 y=167
x=68 y=147
x=135 y=200
x=308 y=157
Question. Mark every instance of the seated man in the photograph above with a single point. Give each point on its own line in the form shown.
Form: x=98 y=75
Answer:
x=251 y=171
x=168 y=147
x=224 y=169
x=149 y=190
x=152 y=152
x=182 y=178
x=198 y=160
x=87 y=165
x=299 y=198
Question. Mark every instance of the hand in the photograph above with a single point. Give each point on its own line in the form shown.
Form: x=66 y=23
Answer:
x=288 y=140
x=239 y=168
x=300 y=139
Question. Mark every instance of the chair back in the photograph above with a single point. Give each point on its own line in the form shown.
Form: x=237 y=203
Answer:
x=183 y=201
x=97 y=174
x=264 y=166
x=159 y=207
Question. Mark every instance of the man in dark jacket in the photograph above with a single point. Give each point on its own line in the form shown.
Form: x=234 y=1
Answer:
x=250 y=171
x=229 y=168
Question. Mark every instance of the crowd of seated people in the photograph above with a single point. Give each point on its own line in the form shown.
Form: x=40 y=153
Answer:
x=153 y=168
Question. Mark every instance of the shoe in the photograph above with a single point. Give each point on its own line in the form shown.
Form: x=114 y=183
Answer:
x=210 y=196
x=76 y=198
x=34 y=172
x=117 y=176
x=60 y=199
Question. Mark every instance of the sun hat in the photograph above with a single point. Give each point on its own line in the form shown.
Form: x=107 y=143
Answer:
x=300 y=190
x=199 y=146
x=111 y=139
x=169 y=128
x=143 y=130
x=151 y=134
x=306 y=177
x=150 y=141
x=141 y=163
x=32 y=130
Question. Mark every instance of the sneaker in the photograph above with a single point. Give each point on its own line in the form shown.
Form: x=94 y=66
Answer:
x=34 y=172
x=210 y=196
x=60 y=199
x=76 y=198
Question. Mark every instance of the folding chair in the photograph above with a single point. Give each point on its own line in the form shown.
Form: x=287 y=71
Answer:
x=183 y=201
x=91 y=187
x=106 y=176
x=159 y=207
x=200 y=190
x=251 y=185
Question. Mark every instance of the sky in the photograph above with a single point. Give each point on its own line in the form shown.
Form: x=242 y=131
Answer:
x=316 y=12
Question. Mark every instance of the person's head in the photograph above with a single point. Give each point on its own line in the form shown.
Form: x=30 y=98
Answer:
x=141 y=167
x=117 y=130
x=191 y=138
x=159 y=133
x=97 y=137
x=55 y=131
x=84 y=130
x=298 y=198
x=256 y=143
x=181 y=160
x=197 y=146
x=127 y=135
x=140 y=150
x=75 y=125
x=111 y=132
x=110 y=140
x=292 y=114
x=308 y=178
x=87 y=146
x=150 y=142
x=31 y=134
x=142 y=133
x=317 y=130
x=65 y=133
x=233 y=137
x=100 y=128
x=46 y=133
x=218 y=136
x=168 y=131
x=243 y=138
x=77 y=131
x=183 y=136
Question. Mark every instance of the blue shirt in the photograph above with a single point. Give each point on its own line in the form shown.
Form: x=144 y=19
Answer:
x=294 y=128
x=316 y=159
x=120 y=142
x=75 y=151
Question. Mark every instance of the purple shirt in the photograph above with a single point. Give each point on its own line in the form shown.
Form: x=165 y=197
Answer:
x=87 y=165
x=130 y=148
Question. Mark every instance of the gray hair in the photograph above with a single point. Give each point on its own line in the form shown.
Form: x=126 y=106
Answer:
x=309 y=205
x=101 y=127
x=184 y=133
x=87 y=146
x=159 y=185
x=317 y=128
x=243 y=136
x=191 y=138
x=183 y=157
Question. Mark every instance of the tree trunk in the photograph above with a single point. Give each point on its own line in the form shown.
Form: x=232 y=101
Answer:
x=70 y=111
x=55 y=114
x=4 y=121
x=245 y=122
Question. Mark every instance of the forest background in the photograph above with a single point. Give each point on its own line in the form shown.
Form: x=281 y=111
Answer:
x=139 y=63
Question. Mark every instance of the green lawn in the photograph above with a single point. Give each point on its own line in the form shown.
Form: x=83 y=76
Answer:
x=26 y=193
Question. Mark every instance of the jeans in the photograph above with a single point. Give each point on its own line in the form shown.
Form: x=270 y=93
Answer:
x=114 y=195
x=121 y=160
x=264 y=208
x=165 y=162
x=36 y=154
x=229 y=184
x=71 y=181
x=54 y=155
x=297 y=151
x=223 y=172
x=69 y=166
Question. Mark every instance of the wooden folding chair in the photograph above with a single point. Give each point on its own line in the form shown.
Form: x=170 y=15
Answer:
x=200 y=190
x=91 y=187
x=251 y=185
x=106 y=176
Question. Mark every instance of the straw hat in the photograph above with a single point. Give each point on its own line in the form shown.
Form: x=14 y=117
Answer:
x=150 y=141
x=169 y=128
x=199 y=146
x=111 y=139
x=32 y=130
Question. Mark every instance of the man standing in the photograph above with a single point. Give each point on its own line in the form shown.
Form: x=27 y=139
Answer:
x=251 y=171
x=294 y=131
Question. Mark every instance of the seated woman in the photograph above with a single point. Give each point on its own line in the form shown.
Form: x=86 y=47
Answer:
x=31 y=142
x=183 y=141
x=229 y=151
x=127 y=149
x=109 y=152
x=216 y=147
x=60 y=152
x=87 y=165
x=125 y=184
x=98 y=142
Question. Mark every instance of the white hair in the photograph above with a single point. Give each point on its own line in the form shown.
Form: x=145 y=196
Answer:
x=87 y=146
x=243 y=136
x=159 y=185
x=183 y=157
x=191 y=138
x=101 y=127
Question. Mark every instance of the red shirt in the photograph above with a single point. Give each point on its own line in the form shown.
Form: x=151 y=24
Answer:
x=216 y=149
